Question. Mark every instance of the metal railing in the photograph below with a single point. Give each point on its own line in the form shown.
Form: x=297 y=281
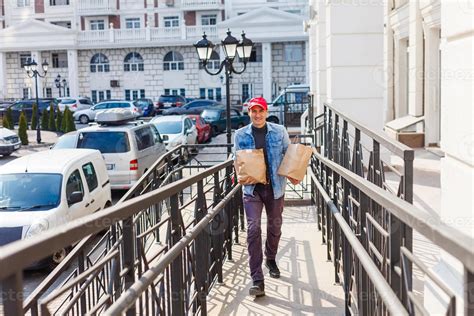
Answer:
x=154 y=210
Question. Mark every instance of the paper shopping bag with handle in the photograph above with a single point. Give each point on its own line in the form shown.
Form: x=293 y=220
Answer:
x=250 y=166
x=295 y=162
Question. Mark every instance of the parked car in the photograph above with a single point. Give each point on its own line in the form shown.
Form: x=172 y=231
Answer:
x=289 y=104
x=216 y=117
x=203 y=129
x=74 y=104
x=193 y=107
x=27 y=107
x=49 y=189
x=9 y=142
x=169 y=101
x=176 y=130
x=67 y=140
x=129 y=148
x=85 y=116
x=146 y=106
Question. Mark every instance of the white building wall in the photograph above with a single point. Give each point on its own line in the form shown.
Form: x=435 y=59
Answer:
x=354 y=49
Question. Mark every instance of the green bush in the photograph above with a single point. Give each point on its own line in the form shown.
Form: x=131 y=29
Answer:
x=9 y=116
x=68 y=117
x=51 y=121
x=59 y=120
x=34 y=117
x=5 y=122
x=22 y=127
x=44 y=120
x=64 y=121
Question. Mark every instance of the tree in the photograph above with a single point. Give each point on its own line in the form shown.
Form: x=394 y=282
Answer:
x=34 y=117
x=59 y=120
x=51 y=121
x=11 y=124
x=65 y=118
x=5 y=122
x=68 y=117
x=22 y=127
x=44 y=120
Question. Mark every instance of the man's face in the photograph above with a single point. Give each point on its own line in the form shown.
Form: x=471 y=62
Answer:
x=258 y=116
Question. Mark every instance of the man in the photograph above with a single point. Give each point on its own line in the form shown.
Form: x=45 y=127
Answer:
x=274 y=140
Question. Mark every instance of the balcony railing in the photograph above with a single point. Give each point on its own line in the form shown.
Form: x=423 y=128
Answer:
x=96 y=7
x=158 y=35
x=200 y=4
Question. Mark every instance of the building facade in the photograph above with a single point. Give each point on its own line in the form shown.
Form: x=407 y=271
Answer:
x=406 y=67
x=131 y=49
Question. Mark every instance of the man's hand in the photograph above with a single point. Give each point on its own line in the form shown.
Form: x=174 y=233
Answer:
x=293 y=181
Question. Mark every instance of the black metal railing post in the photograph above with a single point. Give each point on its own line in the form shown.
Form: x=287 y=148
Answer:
x=177 y=291
x=129 y=257
x=216 y=231
x=12 y=294
x=202 y=250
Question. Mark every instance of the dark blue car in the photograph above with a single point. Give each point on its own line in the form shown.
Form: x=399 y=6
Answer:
x=216 y=117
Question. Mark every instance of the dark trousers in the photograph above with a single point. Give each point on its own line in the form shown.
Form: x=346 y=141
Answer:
x=263 y=196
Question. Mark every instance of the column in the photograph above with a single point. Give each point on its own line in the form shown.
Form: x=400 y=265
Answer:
x=73 y=72
x=354 y=55
x=3 y=75
x=267 y=70
x=415 y=88
x=320 y=88
x=388 y=66
x=36 y=55
x=432 y=88
x=401 y=77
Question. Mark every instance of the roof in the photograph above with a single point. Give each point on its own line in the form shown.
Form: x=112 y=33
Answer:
x=48 y=161
x=111 y=127
x=169 y=118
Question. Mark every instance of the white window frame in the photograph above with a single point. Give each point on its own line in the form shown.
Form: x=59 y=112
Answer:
x=293 y=52
x=134 y=66
x=61 y=61
x=173 y=65
x=23 y=3
x=133 y=23
x=171 y=21
x=206 y=19
x=26 y=56
x=134 y=94
x=94 y=25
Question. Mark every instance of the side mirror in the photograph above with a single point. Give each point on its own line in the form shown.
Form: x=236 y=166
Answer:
x=165 y=137
x=75 y=197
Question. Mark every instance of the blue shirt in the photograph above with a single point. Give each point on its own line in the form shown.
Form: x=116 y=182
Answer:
x=276 y=142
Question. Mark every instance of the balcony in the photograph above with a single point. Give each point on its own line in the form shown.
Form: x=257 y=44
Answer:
x=96 y=7
x=200 y=4
x=153 y=36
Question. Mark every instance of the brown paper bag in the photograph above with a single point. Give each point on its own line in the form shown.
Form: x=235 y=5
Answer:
x=250 y=166
x=295 y=162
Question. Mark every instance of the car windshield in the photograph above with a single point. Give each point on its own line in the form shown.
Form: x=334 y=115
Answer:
x=65 y=141
x=210 y=115
x=141 y=104
x=169 y=127
x=26 y=191
x=68 y=101
x=105 y=142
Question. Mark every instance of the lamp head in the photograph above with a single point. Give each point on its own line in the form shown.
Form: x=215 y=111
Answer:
x=244 y=48
x=230 y=45
x=45 y=66
x=204 y=48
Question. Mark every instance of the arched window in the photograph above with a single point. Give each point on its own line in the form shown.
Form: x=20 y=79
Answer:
x=133 y=62
x=100 y=63
x=214 y=61
x=173 y=61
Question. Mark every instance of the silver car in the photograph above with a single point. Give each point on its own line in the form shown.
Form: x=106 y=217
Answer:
x=88 y=115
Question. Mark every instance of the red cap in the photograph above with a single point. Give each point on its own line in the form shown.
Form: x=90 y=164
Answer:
x=258 y=102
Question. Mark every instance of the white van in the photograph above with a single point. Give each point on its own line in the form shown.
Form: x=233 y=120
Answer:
x=129 y=148
x=48 y=189
x=289 y=105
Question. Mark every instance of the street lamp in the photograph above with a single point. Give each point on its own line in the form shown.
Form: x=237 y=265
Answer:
x=58 y=82
x=232 y=46
x=31 y=68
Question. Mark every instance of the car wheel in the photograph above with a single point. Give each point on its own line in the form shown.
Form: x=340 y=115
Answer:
x=84 y=119
x=215 y=131
x=273 y=119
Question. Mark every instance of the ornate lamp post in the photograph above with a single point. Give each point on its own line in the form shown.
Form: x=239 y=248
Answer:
x=60 y=84
x=232 y=47
x=31 y=69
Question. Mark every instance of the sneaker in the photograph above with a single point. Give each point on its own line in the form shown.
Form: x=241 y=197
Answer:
x=272 y=266
x=257 y=289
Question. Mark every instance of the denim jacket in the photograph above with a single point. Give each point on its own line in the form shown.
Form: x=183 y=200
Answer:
x=276 y=142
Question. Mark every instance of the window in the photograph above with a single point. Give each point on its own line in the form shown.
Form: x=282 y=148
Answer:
x=66 y=24
x=171 y=21
x=214 y=62
x=105 y=142
x=133 y=62
x=218 y=94
x=156 y=134
x=202 y=93
x=91 y=177
x=74 y=184
x=132 y=23
x=58 y=2
x=209 y=19
x=134 y=94
x=293 y=52
x=23 y=3
x=59 y=60
x=144 y=138
x=100 y=63
x=26 y=93
x=96 y=25
x=173 y=61
x=98 y=96
x=180 y=91
x=24 y=59
x=212 y=93
x=48 y=93
x=246 y=91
